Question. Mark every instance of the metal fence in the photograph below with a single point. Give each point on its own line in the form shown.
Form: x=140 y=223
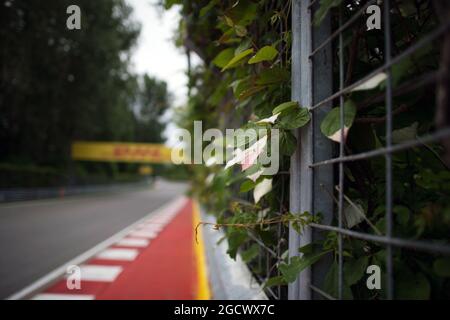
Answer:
x=313 y=162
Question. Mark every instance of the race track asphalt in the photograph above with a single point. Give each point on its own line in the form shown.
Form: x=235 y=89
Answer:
x=39 y=236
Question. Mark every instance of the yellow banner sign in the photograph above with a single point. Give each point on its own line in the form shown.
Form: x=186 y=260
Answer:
x=145 y=170
x=121 y=152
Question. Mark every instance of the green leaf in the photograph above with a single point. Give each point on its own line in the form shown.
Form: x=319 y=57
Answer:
x=381 y=224
x=331 y=283
x=219 y=92
x=412 y=286
x=325 y=6
x=331 y=124
x=405 y=134
x=294 y=119
x=272 y=76
x=250 y=92
x=237 y=58
x=169 y=3
x=288 y=143
x=241 y=31
x=240 y=85
x=236 y=238
x=275 y=281
x=251 y=253
x=244 y=45
x=224 y=56
x=246 y=186
x=307 y=248
x=243 y=12
x=354 y=270
x=298 y=264
x=290 y=271
x=266 y=53
x=285 y=106
x=228 y=21
x=208 y=7
x=441 y=267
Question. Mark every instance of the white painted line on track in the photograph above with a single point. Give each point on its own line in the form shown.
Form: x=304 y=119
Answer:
x=173 y=206
x=99 y=273
x=150 y=228
x=143 y=234
x=118 y=254
x=133 y=242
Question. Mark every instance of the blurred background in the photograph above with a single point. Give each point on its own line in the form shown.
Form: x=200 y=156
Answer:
x=104 y=82
x=115 y=80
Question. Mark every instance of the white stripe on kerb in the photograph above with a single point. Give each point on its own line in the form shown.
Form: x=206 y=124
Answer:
x=143 y=234
x=62 y=296
x=133 y=242
x=153 y=228
x=99 y=273
x=118 y=254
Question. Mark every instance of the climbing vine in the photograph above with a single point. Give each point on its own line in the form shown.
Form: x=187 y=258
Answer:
x=244 y=82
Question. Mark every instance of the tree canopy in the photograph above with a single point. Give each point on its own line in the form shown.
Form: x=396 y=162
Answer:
x=59 y=85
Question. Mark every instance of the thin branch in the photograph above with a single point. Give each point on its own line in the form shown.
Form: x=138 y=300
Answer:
x=279 y=219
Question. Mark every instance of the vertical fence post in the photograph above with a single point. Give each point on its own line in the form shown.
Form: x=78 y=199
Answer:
x=301 y=183
x=294 y=187
x=388 y=156
x=322 y=87
x=309 y=85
